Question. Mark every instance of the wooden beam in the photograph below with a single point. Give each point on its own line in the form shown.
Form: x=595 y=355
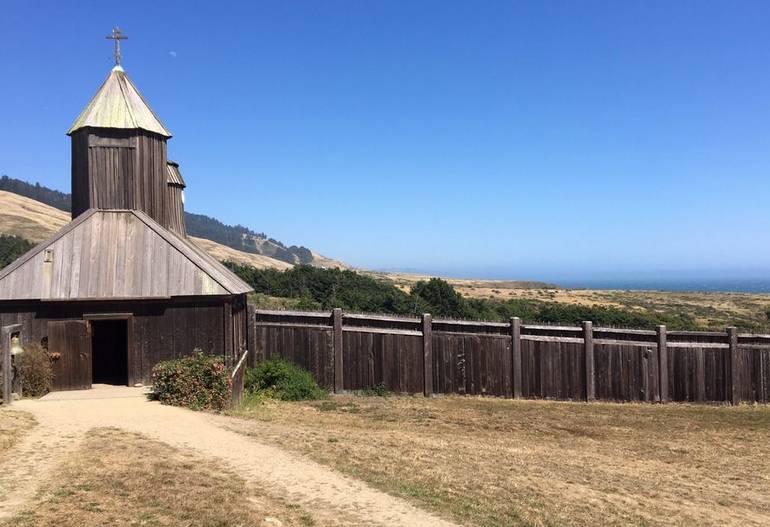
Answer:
x=339 y=378
x=229 y=352
x=735 y=373
x=588 y=343
x=663 y=363
x=427 y=354
x=516 y=377
x=5 y=345
x=251 y=334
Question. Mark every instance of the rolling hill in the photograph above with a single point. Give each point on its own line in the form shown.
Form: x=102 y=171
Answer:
x=244 y=244
x=36 y=222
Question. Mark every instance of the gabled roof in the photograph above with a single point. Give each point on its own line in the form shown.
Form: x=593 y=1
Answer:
x=116 y=254
x=118 y=104
x=173 y=175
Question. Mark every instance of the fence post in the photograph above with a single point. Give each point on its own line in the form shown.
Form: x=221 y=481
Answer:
x=516 y=356
x=5 y=346
x=588 y=340
x=735 y=377
x=251 y=334
x=427 y=354
x=338 y=366
x=663 y=363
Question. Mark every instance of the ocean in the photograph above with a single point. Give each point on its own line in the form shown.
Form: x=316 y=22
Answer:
x=737 y=285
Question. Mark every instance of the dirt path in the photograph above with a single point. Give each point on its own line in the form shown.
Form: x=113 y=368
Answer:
x=65 y=417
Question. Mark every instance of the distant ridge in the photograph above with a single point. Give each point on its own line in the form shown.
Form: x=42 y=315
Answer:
x=35 y=221
x=235 y=237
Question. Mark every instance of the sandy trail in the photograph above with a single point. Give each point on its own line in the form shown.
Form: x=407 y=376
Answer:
x=64 y=418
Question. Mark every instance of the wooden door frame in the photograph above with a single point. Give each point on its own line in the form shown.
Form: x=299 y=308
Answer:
x=129 y=318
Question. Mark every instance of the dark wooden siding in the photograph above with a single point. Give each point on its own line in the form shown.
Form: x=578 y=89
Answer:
x=392 y=360
x=480 y=358
x=70 y=341
x=471 y=364
x=175 y=209
x=158 y=330
x=120 y=169
x=626 y=372
x=309 y=346
x=553 y=369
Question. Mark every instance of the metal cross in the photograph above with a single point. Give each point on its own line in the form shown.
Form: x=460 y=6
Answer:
x=117 y=36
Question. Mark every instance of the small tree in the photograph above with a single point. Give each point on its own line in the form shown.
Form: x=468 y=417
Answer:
x=440 y=297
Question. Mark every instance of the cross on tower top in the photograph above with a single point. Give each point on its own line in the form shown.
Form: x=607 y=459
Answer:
x=117 y=36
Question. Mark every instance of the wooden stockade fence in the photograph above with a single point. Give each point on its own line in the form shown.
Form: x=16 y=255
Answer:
x=237 y=378
x=348 y=352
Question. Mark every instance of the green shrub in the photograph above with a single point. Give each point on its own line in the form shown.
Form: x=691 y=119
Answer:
x=281 y=379
x=378 y=390
x=200 y=382
x=35 y=370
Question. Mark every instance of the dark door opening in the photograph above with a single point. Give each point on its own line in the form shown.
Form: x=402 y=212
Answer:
x=110 y=351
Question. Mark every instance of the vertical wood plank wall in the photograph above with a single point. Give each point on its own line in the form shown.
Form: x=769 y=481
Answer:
x=516 y=360
x=123 y=169
x=159 y=330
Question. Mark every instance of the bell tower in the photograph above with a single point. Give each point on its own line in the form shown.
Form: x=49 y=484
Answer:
x=119 y=158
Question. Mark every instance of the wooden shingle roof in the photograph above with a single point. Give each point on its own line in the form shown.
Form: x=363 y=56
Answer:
x=118 y=104
x=116 y=254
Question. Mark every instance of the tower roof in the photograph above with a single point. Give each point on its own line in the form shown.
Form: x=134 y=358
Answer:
x=118 y=104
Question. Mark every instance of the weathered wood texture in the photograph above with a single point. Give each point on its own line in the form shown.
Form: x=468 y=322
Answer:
x=471 y=364
x=175 y=205
x=237 y=380
x=308 y=346
x=6 y=373
x=70 y=342
x=553 y=369
x=116 y=254
x=553 y=363
x=394 y=361
x=157 y=331
x=120 y=169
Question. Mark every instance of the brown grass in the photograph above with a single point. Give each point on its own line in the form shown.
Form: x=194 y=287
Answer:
x=708 y=310
x=502 y=462
x=13 y=426
x=118 y=478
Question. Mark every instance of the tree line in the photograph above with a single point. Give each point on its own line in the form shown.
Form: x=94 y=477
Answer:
x=314 y=288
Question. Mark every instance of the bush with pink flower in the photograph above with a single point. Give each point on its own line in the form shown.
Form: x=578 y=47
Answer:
x=199 y=382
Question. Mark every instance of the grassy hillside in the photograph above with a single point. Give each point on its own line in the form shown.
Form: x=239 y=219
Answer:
x=235 y=237
x=36 y=222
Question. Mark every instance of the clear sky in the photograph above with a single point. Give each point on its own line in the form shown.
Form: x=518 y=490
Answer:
x=503 y=139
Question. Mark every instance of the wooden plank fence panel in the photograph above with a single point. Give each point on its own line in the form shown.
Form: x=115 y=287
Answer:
x=396 y=361
x=310 y=348
x=514 y=360
x=626 y=372
x=553 y=370
x=472 y=364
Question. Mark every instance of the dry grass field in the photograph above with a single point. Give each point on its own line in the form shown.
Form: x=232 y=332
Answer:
x=708 y=310
x=118 y=478
x=499 y=462
x=13 y=425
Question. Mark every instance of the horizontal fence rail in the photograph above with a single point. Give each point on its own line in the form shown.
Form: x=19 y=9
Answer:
x=349 y=352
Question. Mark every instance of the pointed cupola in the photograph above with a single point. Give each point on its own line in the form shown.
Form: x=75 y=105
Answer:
x=119 y=105
x=119 y=158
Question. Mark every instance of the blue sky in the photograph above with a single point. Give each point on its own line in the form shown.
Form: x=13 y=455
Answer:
x=501 y=139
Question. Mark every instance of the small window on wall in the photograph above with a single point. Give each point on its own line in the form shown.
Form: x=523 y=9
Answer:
x=48 y=256
x=182 y=193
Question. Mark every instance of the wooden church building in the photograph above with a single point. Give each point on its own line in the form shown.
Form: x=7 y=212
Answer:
x=121 y=287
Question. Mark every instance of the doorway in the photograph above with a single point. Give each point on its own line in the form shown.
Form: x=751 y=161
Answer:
x=109 y=351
